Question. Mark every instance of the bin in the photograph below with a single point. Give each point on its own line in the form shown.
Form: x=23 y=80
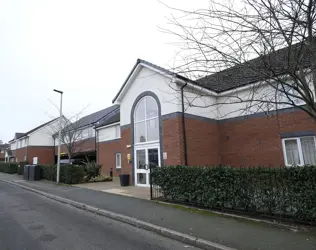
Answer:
x=26 y=172
x=124 y=179
x=34 y=173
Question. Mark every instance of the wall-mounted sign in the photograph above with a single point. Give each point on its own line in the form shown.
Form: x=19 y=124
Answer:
x=35 y=160
x=164 y=155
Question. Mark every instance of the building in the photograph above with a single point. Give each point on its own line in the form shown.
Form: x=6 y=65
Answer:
x=82 y=145
x=3 y=148
x=35 y=146
x=157 y=126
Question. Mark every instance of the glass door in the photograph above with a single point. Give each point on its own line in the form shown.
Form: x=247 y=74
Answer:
x=144 y=158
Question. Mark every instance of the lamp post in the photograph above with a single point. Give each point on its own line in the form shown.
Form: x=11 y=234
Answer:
x=59 y=133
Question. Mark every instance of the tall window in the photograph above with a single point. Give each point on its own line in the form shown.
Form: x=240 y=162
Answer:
x=118 y=160
x=299 y=150
x=146 y=122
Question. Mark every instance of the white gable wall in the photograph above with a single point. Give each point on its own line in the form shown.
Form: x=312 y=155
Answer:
x=43 y=136
x=148 y=80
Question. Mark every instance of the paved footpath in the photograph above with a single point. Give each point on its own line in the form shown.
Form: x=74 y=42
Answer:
x=233 y=232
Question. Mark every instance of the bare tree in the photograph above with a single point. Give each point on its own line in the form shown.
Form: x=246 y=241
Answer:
x=267 y=45
x=74 y=135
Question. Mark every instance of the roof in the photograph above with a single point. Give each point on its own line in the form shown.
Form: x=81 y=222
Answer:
x=141 y=61
x=113 y=118
x=4 y=146
x=18 y=135
x=96 y=117
x=258 y=69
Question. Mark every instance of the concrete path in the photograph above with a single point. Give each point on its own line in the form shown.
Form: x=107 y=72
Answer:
x=114 y=187
x=232 y=232
x=32 y=222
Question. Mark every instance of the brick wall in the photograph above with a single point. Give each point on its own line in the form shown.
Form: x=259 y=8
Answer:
x=257 y=141
x=172 y=140
x=202 y=142
x=106 y=152
x=20 y=154
x=125 y=141
x=45 y=154
x=2 y=155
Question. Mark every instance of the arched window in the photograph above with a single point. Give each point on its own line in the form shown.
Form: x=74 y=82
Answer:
x=146 y=122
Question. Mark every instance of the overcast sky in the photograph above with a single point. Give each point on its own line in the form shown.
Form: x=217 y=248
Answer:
x=84 y=48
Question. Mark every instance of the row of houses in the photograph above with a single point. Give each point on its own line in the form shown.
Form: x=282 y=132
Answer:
x=152 y=122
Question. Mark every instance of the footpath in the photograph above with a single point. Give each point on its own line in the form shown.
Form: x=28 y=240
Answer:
x=236 y=233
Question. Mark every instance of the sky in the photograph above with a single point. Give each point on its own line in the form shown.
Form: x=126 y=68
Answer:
x=84 y=48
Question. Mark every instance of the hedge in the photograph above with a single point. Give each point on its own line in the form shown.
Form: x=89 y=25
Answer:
x=284 y=192
x=69 y=174
x=8 y=167
x=20 y=167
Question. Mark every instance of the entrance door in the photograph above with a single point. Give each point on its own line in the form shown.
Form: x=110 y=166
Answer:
x=145 y=157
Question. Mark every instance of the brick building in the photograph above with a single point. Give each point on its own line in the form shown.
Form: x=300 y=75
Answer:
x=157 y=119
x=158 y=125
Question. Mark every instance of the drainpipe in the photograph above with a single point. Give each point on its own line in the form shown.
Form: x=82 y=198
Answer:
x=183 y=127
x=96 y=145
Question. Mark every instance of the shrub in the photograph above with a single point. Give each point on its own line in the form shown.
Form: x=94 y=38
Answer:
x=286 y=192
x=91 y=170
x=20 y=167
x=100 y=178
x=69 y=174
x=8 y=167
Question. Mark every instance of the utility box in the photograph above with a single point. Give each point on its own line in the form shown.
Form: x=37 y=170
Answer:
x=34 y=173
x=26 y=172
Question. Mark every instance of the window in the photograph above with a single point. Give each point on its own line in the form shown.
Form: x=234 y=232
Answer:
x=118 y=160
x=299 y=151
x=117 y=131
x=146 y=123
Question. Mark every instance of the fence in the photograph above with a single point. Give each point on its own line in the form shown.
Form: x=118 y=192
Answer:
x=283 y=193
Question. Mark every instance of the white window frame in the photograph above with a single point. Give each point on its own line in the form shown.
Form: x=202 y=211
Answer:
x=146 y=120
x=116 y=163
x=117 y=131
x=299 y=145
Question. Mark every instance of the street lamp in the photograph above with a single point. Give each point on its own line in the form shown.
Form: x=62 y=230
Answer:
x=59 y=133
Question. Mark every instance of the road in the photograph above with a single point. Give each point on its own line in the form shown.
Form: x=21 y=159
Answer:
x=30 y=221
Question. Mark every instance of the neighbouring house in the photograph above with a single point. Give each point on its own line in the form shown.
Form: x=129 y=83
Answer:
x=35 y=146
x=157 y=126
x=83 y=145
x=3 y=149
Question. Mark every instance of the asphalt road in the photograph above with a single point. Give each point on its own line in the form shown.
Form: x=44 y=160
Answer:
x=30 y=221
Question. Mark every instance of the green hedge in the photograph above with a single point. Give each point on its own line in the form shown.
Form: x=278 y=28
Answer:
x=69 y=174
x=20 y=167
x=285 y=192
x=8 y=167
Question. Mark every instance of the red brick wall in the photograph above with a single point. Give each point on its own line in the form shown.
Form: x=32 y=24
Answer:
x=172 y=140
x=20 y=154
x=106 y=152
x=257 y=141
x=127 y=168
x=202 y=142
x=2 y=155
x=45 y=154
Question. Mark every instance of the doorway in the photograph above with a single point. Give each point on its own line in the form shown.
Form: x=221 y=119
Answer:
x=145 y=156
